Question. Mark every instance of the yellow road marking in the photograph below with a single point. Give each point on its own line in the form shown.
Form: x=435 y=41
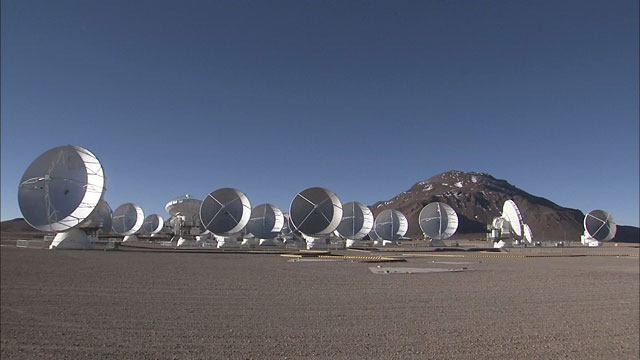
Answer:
x=350 y=257
x=359 y=250
x=516 y=256
x=358 y=257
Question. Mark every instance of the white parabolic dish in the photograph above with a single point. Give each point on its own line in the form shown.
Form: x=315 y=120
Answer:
x=286 y=228
x=127 y=219
x=61 y=188
x=600 y=225
x=438 y=221
x=511 y=212
x=266 y=221
x=528 y=235
x=225 y=211
x=372 y=234
x=315 y=211
x=153 y=224
x=185 y=206
x=391 y=225
x=357 y=221
x=100 y=218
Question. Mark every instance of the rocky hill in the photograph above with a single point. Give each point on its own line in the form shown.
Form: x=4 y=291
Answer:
x=478 y=198
x=17 y=225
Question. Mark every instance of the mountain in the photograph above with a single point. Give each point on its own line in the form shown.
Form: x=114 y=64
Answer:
x=478 y=198
x=18 y=225
x=630 y=234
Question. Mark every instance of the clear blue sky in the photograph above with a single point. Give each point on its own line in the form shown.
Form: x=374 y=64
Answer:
x=365 y=98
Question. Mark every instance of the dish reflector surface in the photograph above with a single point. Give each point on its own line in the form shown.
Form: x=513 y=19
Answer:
x=100 y=218
x=185 y=206
x=511 y=212
x=225 y=211
x=286 y=227
x=600 y=225
x=372 y=234
x=61 y=188
x=391 y=225
x=127 y=219
x=438 y=221
x=357 y=221
x=152 y=224
x=528 y=236
x=315 y=211
x=266 y=221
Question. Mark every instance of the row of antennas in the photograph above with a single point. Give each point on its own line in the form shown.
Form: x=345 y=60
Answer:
x=63 y=190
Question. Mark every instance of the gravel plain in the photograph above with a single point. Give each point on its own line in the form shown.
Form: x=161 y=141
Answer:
x=155 y=305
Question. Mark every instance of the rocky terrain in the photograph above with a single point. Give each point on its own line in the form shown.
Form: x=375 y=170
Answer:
x=149 y=305
x=16 y=225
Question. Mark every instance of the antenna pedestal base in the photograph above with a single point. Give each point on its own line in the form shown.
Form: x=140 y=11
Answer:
x=130 y=238
x=227 y=242
x=502 y=244
x=206 y=239
x=186 y=241
x=72 y=239
x=250 y=243
x=587 y=240
x=317 y=244
x=349 y=243
x=93 y=237
x=494 y=236
x=293 y=243
x=268 y=242
x=436 y=243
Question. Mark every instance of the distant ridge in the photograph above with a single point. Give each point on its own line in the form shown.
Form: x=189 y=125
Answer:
x=17 y=225
x=478 y=198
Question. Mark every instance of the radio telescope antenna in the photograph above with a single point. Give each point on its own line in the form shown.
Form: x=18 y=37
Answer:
x=499 y=231
x=286 y=228
x=599 y=226
x=390 y=226
x=509 y=228
x=265 y=223
x=100 y=220
x=356 y=223
x=171 y=226
x=438 y=221
x=315 y=212
x=511 y=212
x=153 y=224
x=527 y=234
x=185 y=219
x=225 y=212
x=289 y=237
x=374 y=237
x=59 y=191
x=127 y=220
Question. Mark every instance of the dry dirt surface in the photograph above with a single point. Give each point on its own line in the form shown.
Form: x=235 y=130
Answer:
x=150 y=305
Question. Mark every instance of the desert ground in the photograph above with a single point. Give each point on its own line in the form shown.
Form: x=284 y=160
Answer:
x=172 y=305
